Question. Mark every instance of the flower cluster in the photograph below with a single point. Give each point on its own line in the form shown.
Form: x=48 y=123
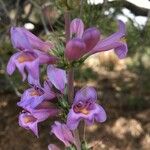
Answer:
x=47 y=100
x=88 y=42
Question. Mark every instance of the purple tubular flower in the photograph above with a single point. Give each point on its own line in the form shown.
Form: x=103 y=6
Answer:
x=44 y=110
x=53 y=147
x=32 y=97
x=63 y=133
x=85 y=107
x=82 y=42
x=75 y=48
x=29 y=122
x=25 y=60
x=76 y=28
x=57 y=77
x=33 y=53
x=115 y=41
x=88 y=42
x=29 y=61
x=23 y=39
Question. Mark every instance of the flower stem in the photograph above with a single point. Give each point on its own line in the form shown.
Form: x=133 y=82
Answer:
x=84 y=132
x=77 y=138
x=70 y=85
x=71 y=79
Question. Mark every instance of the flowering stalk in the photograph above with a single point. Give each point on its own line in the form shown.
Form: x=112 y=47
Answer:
x=70 y=98
x=71 y=79
x=43 y=101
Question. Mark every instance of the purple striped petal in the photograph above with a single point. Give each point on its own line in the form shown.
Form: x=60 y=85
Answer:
x=19 y=39
x=36 y=42
x=57 y=77
x=23 y=39
x=75 y=49
x=43 y=114
x=91 y=36
x=30 y=99
x=45 y=58
x=67 y=133
x=25 y=61
x=33 y=97
x=99 y=113
x=19 y=66
x=11 y=66
x=33 y=72
x=29 y=122
x=63 y=133
x=43 y=111
x=121 y=51
x=114 y=37
x=48 y=92
x=86 y=93
x=115 y=41
x=120 y=48
x=73 y=120
x=76 y=27
x=21 y=69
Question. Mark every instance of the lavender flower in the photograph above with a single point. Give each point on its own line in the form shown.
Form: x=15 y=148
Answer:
x=28 y=58
x=32 y=97
x=116 y=41
x=22 y=39
x=28 y=61
x=85 y=107
x=88 y=42
x=63 y=133
x=29 y=120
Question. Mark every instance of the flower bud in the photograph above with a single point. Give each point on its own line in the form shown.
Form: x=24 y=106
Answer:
x=77 y=27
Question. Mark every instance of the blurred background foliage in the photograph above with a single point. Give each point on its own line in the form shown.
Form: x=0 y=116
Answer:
x=124 y=84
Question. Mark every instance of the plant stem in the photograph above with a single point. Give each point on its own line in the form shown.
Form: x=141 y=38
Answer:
x=77 y=139
x=70 y=85
x=71 y=79
x=84 y=132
